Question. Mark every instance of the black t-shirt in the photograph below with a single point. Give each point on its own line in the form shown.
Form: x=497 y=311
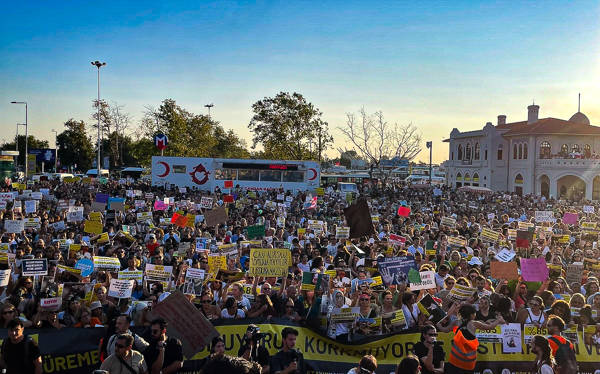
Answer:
x=421 y=352
x=173 y=352
x=282 y=360
x=258 y=354
x=14 y=356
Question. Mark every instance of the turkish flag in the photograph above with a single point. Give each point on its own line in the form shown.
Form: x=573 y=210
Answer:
x=179 y=220
x=228 y=184
x=228 y=198
x=404 y=211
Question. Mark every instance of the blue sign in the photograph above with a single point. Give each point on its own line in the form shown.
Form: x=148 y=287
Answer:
x=43 y=155
x=86 y=266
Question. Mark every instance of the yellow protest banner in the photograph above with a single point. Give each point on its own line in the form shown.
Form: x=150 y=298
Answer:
x=267 y=262
x=93 y=227
x=96 y=216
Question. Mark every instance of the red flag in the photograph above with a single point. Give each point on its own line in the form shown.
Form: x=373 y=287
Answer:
x=228 y=198
x=404 y=211
x=179 y=220
x=228 y=184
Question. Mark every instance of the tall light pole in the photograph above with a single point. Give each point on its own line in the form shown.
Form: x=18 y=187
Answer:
x=26 y=135
x=55 y=151
x=98 y=64
x=430 y=146
x=209 y=106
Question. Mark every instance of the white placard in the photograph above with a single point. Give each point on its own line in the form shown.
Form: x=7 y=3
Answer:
x=206 y=202
x=427 y=281
x=505 y=255
x=36 y=195
x=511 y=338
x=194 y=273
x=137 y=275
x=14 y=226
x=4 y=277
x=30 y=206
x=588 y=209
x=544 y=216
x=120 y=288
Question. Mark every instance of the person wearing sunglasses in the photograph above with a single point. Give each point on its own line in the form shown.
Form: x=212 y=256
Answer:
x=430 y=353
x=366 y=365
x=125 y=359
x=164 y=354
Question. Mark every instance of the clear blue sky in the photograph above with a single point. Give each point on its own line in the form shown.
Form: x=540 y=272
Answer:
x=438 y=65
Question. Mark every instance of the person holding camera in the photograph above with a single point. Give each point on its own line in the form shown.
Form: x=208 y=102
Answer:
x=288 y=360
x=252 y=351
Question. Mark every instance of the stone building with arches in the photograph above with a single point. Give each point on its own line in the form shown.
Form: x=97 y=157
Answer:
x=548 y=156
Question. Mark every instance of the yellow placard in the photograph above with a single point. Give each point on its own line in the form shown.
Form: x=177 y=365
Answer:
x=96 y=216
x=103 y=238
x=93 y=227
x=267 y=262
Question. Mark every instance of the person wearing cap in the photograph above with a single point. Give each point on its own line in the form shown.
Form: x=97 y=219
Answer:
x=252 y=351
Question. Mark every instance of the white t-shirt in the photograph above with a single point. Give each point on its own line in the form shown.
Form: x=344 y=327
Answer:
x=546 y=369
x=225 y=314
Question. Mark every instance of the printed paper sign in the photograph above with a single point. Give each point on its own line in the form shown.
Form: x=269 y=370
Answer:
x=194 y=273
x=570 y=218
x=534 y=269
x=588 y=209
x=30 y=206
x=448 y=221
x=101 y=262
x=14 y=226
x=490 y=336
x=93 y=227
x=120 y=288
x=136 y=275
x=51 y=303
x=342 y=232
x=461 y=293
x=457 y=241
x=489 y=235
x=427 y=281
x=511 y=338
x=158 y=272
x=35 y=267
x=269 y=262
x=144 y=216
x=206 y=202
x=394 y=270
x=505 y=255
x=32 y=223
x=4 y=277
x=544 y=216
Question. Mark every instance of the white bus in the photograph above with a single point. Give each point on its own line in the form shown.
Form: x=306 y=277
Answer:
x=209 y=173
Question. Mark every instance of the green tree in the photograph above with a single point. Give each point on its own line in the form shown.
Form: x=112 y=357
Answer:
x=74 y=146
x=190 y=135
x=32 y=143
x=289 y=127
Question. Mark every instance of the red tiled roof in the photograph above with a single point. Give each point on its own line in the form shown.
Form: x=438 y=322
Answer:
x=549 y=126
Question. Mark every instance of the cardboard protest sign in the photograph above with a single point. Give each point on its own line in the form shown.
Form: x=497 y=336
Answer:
x=574 y=273
x=216 y=262
x=359 y=219
x=38 y=266
x=120 y=288
x=256 y=231
x=186 y=323
x=215 y=217
x=14 y=226
x=570 y=218
x=269 y=262
x=179 y=220
x=504 y=270
x=93 y=227
x=394 y=270
x=534 y=269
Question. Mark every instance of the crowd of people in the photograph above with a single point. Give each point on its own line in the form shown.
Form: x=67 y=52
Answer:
x=358 y=287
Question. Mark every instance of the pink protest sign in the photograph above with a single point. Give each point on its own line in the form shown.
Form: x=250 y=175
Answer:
x=534 y=269
x=160 y=205
x=570 y=218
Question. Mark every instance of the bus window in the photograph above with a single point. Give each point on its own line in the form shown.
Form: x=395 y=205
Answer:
x=270 y=176
x=293 y=176
x=247 y=175
x=226 y=174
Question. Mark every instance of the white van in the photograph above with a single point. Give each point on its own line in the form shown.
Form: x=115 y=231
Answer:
x=347 y=187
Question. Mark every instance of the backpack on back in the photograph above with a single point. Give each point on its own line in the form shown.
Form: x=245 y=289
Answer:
x=565 y=357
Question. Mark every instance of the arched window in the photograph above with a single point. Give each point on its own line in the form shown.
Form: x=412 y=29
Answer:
x=514 y=151
x=475 y=179
x=499 y=155
x=587 y=151
x=468 y=152
x=460 y=152
x=476 y=151
x=467 y=178
x=564 y=150
x=545 y=150
x=525 y=151
x=575 y=148
x=520 y=151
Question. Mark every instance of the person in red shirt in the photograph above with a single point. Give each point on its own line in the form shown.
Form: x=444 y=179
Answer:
x=152 y=244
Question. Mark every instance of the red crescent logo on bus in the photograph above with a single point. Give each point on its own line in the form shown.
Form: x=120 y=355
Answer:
x=202 y=170
x=314 y=174
x=167 y=169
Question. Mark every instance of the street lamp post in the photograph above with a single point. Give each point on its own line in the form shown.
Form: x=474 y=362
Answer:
x=98 y=64
x=55 y=151
x=209 y=106
x=26 y=135
x=430 y=146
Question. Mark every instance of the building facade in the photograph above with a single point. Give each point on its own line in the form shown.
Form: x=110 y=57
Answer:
x=549 y=156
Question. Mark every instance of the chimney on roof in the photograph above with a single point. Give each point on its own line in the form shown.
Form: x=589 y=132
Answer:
x=501 y=120
x=532 y=113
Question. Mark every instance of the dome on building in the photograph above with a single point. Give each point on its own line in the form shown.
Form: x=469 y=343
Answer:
x=580 y=118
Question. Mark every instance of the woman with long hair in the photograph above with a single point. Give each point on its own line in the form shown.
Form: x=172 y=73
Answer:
x=544 y=362
x=409 y=365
